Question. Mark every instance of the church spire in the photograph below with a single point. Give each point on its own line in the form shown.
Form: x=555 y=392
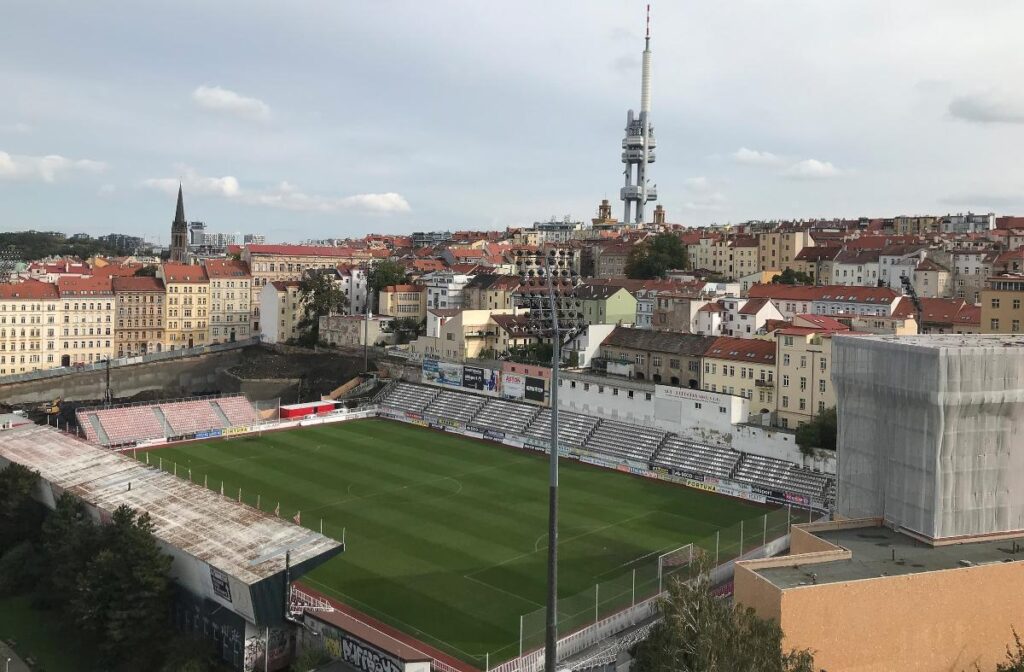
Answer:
x=179 y=232
x=179 y=213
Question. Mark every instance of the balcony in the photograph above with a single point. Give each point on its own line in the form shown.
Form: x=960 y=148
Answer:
x=764 y=383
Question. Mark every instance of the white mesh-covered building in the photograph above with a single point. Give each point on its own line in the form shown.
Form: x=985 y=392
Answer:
x=931 y=432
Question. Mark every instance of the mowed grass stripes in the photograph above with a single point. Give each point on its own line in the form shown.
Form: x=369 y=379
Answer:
x=446 y=535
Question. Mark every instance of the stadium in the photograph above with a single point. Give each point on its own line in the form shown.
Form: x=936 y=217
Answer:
x=427 y=505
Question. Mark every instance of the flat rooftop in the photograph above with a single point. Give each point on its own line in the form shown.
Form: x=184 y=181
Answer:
x=873 y=551
x=239 y=540
x=946 y=341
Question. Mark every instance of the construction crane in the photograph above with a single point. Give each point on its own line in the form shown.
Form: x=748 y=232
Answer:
x=908 y=289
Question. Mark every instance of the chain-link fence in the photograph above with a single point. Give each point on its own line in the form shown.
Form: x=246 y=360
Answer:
x=650 y=576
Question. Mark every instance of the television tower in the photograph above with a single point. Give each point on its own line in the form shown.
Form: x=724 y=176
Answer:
x=638 y=145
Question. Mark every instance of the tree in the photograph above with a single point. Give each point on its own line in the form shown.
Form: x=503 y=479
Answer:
x=654 y=257
x=20 y=514
x=406 y=328
x=147 y=271
x=382 y=275
x=123 y=598
x=818 y=433
x=1014 y=656
x=320 y=296
x=20 y=569
x=68 y=542
x=791 y=277
x=700 y=632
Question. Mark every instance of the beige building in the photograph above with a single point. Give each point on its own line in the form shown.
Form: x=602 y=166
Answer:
x=1001 y=305
x=658 y=356
x=282 y=311
x=457 y=335
x=932 y=280
x=803 y=374
x=779 y=249
x=230 y=299
x=408 y=301
x=744 y=367
x=866 y=597
x=187 y=306
x=30 y=317
x=269 y=263
x=88 y=319
x=817 y=263
x=487 y=291
x=139 y=304
x=610 y=260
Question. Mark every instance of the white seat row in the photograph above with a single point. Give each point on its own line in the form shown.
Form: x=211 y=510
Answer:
x=624 y=441
x=455 y=405
x=573 y=429
x=407 y=397
x=677 y=453
x=505 y=416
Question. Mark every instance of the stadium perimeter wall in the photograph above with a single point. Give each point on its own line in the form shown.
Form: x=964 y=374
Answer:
x=177 y=377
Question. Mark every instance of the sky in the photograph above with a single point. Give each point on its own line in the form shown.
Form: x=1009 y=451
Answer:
x=320 y=119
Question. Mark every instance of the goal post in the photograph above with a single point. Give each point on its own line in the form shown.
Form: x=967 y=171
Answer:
x=674 y=561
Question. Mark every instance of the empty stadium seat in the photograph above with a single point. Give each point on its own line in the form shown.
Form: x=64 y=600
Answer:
x=622 y=441
x=573 y=428
x=455 y=405
x=679 y=454
x=505 y=416
x=238 y=410
x=409 y=397
x=769 y=472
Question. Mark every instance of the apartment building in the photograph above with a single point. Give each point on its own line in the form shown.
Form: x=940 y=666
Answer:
x=817 y=263
x=88 y=319
x=605 y=304
x=408 y=301
x=779 y=249
x=1001 y=305
x=30 y=316
x=269 y=263
x=803 y=373
x=282 y=311
x=610 y=259
x=490 y=291
x=931 y=279
x=659 y=356
x=743 y=257
x=856 y=268
x=970 y=270
x=445 y=289
x=457 y=335
x=230 y=300
x=744 y=367
x=187 y=306
x=139 y=307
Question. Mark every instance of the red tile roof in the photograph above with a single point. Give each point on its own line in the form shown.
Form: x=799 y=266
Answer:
x=742 y=350
x=822 y=322
x=227 y=268
x=138 y=284
x=305 y=250
x=184 y=273
x=90 y=286
x=834 y=293
x=31 y=290
x=752 y=306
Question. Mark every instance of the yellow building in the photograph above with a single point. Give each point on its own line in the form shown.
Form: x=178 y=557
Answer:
x=187 y=306
x=139 y=304
x=804 y=371
x=744 y=367
x=780 y=248
x=409 y=301
x=230 y=299
x=30 y=315
x=487 y=291
x=88 y=319
x=1001 y=305
x=863 y=596
x=457 y=335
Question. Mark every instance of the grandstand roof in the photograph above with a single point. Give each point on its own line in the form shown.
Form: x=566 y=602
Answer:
x=239 y=540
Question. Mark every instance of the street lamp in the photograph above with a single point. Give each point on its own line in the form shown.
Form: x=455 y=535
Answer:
x=548 y=293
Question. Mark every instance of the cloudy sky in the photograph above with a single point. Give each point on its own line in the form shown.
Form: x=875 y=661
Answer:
x=329 y=119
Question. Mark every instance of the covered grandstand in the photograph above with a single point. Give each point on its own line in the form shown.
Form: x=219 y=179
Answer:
x=229 y=559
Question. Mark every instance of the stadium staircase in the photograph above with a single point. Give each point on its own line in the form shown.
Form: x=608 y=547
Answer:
x=101 y=434
x=163 y=421
x=224 y=421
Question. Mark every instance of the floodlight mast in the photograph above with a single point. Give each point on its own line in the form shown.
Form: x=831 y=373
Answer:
x=557 y=319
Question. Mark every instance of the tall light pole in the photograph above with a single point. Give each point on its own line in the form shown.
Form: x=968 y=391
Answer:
x=548 y=293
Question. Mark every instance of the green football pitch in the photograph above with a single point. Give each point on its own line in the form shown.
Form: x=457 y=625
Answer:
x=446 y=536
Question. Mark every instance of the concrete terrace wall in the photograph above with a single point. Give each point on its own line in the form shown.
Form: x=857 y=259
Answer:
x=176 y=377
